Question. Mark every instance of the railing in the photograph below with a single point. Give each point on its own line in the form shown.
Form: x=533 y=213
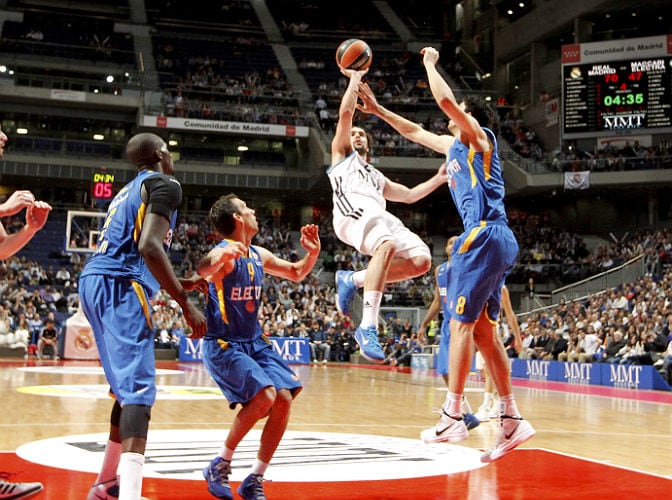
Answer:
x=628 y=272
x=613 y=163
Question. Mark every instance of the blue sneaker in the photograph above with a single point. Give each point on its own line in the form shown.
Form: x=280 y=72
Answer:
x=367 y=338
x=345 y=291
x=217 y=475
x=252 y=487
x=471 y=421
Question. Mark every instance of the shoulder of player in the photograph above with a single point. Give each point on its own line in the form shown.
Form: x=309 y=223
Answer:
x=259 y=252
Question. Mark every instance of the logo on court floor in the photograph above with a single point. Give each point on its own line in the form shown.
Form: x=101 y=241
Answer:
x=163 y=392
x=301 y=456
x=83 y=370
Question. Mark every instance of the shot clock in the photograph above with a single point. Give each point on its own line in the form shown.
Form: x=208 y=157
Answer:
x=102 y=187
x=617 y=96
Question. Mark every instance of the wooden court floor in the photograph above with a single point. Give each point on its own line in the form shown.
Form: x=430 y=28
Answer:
x=353 y=434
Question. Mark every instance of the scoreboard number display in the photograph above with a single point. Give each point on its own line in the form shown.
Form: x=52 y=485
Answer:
x=103 y=186
x=617 y=97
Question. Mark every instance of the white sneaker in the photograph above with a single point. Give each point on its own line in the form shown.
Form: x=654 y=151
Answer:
x=447 y=429
x=494 y=412
x=483 y=413
x=514 y=431
x=13 y=491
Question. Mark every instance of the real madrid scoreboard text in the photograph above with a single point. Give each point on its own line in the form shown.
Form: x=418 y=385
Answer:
x=603 y=98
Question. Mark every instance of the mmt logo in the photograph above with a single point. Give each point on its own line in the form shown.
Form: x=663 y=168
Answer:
x=625 y=376
x=291 y=349
x=578 y=373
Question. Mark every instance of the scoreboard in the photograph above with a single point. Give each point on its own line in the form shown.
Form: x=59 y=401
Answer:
x=618 y=96
x=102 y=187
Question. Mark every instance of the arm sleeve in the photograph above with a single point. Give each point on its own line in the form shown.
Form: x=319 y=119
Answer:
x=164 y=195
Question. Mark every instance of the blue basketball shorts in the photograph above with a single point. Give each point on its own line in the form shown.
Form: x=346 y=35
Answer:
x=119 y=315
x=243 y=369
x=482 y=258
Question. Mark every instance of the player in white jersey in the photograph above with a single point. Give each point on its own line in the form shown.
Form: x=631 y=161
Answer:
x=361 y=220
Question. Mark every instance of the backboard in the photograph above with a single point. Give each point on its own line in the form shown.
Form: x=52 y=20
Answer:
x=82 y=231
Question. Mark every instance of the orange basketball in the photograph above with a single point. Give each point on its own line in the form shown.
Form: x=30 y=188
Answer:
x=354 y=54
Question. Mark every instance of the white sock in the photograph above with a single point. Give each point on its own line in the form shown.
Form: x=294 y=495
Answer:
x=453 y=406
x=508 y=406
x=259 y=467
x=108 y=471
x=372 y=302
x=130 y=475
x=358 y=278
x=487 y=399
x=226 y=453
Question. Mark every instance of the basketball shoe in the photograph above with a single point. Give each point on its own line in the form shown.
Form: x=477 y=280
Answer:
x=108 y=490
x=217 y=475
x=345 y=291
x=470 y=421
x=448 y=429
x=483 y=413
x=11 y=491
x=495 y=412
x=367 y=338
x=514 y=431
x=252 y=487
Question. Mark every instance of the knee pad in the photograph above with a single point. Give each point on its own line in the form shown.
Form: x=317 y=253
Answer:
x=134 y=421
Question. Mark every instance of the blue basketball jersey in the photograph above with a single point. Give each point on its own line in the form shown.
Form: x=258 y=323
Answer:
x=117 y=251
x=476 y=183
x=233 y=303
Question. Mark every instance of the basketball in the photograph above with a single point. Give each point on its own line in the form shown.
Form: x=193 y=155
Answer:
x=354 y=54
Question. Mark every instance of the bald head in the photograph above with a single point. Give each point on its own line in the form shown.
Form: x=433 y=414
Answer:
x=149 y=150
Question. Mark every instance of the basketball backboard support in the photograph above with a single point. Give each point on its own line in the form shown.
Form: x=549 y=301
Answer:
x=82 y=231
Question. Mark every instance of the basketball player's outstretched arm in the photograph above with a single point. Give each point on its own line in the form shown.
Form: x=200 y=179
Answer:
x=394 y=191
x=410 y=130
x=341 y=145
x=295 y=271
x=445 y=98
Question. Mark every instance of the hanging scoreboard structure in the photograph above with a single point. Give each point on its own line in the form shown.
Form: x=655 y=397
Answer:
x=617 y=87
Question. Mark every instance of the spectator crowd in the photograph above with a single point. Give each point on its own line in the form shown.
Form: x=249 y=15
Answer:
x=631 y=324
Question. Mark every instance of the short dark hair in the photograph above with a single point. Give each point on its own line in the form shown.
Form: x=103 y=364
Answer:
x=482 y=111
x=221 y=214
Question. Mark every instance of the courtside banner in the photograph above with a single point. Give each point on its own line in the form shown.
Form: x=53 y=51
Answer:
x=294 y=350
x=556 y=371
x=197 y=125
x=604 y=374
x=78 y=341
x=191 y=349
x=633 y=377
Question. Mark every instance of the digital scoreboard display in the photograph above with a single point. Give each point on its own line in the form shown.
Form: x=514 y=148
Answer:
x=618 y=87
x=612 y=96
x=102 y=187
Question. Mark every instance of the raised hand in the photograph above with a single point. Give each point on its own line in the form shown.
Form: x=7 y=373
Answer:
x=36 y=214
x=17 y=202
